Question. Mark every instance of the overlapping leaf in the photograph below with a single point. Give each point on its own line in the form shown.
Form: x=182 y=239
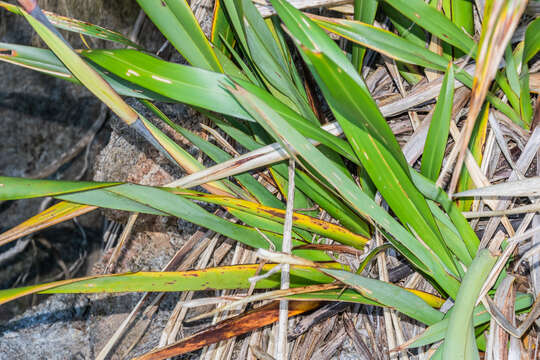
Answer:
x=349 y=191
x=77 y=26
x=176 y=21
x=143 y=199
x=367 y=131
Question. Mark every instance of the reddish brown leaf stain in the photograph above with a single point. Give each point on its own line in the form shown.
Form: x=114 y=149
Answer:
x=192 y=274
x=275 y=213
x=227 y=329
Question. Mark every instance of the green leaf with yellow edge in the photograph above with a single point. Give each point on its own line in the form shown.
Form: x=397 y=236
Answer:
x=476 y=146
x=55 y=214
x=226 y=277
x=222 y=30
x=364 y=11
x=77 y=26
x=317 y=192
x=406 y=28
x=350 y=295
x=390 y=295
x=384 y=42
x=218 y=278
x=178 y=24
x=301 y=221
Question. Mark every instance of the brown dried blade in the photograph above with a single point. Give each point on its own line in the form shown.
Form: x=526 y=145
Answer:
x=238 y=325
x=500 y=21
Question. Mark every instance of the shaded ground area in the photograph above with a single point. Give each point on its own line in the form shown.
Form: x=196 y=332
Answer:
x=42 y=118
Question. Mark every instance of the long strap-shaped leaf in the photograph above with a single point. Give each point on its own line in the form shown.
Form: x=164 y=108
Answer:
x=75 y=64
x=389 y=295
x=226 y=277
x=56 y=214
x=438 y=129
x=44 y=61
x=461 y=318
x=394 y=184
x=436 y=23
x=238 y=325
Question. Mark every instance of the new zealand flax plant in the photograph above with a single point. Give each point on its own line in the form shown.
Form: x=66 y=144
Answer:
x=262 y=79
